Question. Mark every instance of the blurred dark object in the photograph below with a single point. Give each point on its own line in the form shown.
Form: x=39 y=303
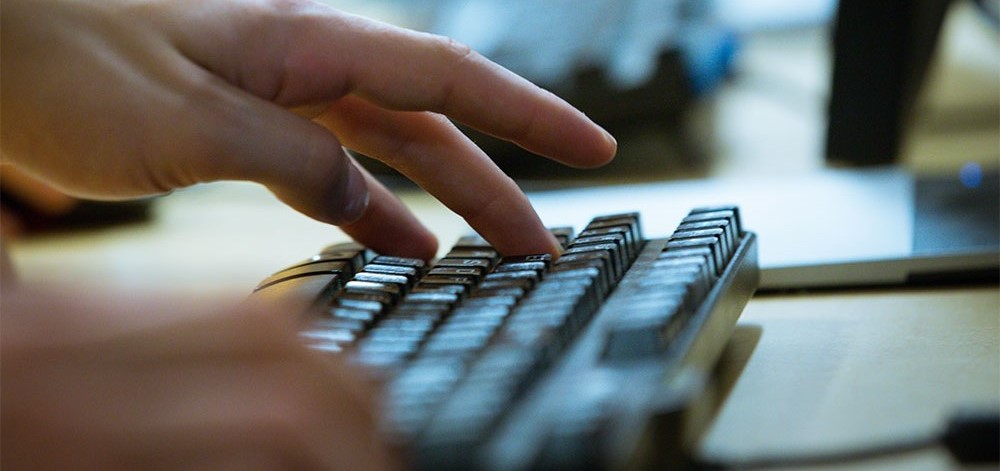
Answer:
x=881 y=51
x=84 y=215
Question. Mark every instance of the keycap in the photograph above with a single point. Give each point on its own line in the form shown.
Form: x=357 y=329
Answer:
x=355 y=253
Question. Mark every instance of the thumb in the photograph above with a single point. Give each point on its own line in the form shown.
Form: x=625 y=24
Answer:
x=302 y=163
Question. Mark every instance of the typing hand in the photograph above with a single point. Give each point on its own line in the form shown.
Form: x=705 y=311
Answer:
x=133 y=384
x=114 y=99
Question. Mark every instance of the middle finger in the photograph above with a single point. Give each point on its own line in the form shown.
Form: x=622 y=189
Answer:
x=429 y=150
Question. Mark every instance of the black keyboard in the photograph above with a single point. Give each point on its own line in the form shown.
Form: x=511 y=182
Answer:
x=589 y=362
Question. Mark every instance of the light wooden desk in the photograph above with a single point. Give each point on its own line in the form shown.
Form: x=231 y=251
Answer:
x=842 y=370
x=804 y=371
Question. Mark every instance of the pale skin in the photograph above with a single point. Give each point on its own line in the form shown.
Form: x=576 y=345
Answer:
x=118 y=99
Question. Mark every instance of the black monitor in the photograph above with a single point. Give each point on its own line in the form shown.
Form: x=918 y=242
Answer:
x=881 y=51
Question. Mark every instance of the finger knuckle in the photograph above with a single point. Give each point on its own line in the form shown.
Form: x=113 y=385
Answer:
x=285 y=8
x=452 y=48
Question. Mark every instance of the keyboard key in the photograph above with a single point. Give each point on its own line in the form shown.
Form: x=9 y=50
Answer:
x=400 y=281
x=365 y=316
x=730 y=236
x=477 y=253
x=457 y=290
x=710 y=243
x=414 y=263
x=368 y=301
x=717 y=235
x=472 y=273
x=455 y=262
x=727 y=211
x=356 y=254
x=563 y=234
x=438 y=297
x=410 y=272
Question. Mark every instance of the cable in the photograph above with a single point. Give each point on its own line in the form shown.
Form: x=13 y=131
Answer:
x=971 y=436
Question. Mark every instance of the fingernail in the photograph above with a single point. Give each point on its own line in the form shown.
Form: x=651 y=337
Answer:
x=356 y=195
x=611 y=140
x=557 y=251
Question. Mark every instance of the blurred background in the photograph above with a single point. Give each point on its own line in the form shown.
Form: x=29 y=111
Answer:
x=743 y=87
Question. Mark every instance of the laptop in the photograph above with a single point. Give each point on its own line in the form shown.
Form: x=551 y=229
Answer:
x=831 y=228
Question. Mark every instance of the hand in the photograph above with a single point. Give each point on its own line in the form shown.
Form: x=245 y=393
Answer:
x=114 y=99
x=131 y=384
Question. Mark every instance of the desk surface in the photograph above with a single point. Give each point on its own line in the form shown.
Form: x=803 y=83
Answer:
x=804 y=371
x=842 y=370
